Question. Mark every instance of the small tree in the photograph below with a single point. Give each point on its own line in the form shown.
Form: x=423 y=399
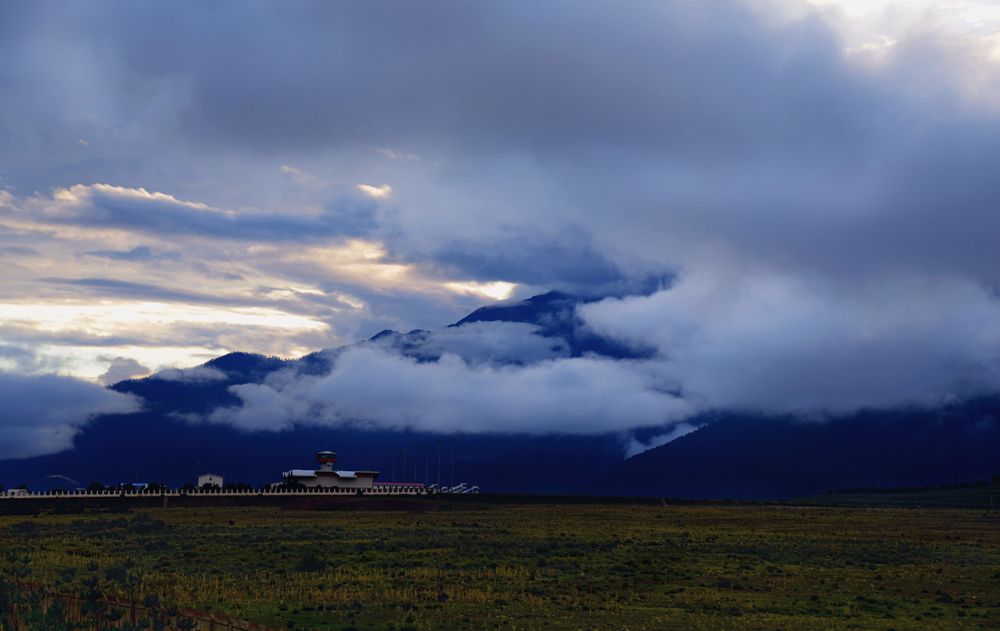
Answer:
x=91 y=606
x=14 y=573
x=130 y=576
x=39 y=618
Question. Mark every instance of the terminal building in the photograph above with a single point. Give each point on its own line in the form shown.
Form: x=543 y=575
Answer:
x=328 y=478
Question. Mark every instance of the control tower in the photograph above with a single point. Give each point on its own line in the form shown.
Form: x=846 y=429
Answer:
x=326 y=460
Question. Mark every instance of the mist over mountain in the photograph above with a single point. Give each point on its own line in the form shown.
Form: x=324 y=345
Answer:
x=205 y=418
x=180 y=427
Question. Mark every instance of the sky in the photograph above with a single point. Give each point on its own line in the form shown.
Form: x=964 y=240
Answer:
x=794 y=203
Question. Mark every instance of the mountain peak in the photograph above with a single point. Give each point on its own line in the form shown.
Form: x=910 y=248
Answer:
x=533 y=310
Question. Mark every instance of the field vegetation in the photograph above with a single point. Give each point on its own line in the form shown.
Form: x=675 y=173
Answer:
x=980 y=496
x=483 y=566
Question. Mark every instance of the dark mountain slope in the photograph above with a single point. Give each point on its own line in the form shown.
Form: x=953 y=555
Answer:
x=246 y=366
x=768 y=458
x=555 y=315
x=156 y=448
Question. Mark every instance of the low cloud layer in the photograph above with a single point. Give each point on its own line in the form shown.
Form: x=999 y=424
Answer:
x=774 y=343
x=373 y=389
x=762 y=343
x=478 y=343
x=198 y=374
x=42 y=414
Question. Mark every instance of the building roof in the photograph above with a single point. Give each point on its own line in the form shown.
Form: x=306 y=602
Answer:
x=309 y=473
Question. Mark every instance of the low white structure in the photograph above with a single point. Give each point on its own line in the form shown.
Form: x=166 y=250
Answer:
x=209 y=478
x=327 y=477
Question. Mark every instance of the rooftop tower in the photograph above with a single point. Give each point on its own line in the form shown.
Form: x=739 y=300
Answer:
x=326 y=460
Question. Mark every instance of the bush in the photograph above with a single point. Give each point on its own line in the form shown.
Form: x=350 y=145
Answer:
x=311 y=563
x=116 y=573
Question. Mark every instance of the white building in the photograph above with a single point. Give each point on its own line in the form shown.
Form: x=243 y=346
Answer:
x=209 y=478
x=327 y=477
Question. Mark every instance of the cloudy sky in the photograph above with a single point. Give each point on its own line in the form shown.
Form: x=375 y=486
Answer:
x=795 y=203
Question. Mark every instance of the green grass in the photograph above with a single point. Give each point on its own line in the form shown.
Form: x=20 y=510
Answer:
x=975 y=497
x=537 y=567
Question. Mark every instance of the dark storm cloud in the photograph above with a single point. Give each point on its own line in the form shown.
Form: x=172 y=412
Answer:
x=699 y=117
x=109 y=206
x=706 y=118
x=707 y=80
x=925 y=202
x=567 y=262
x=531 y=259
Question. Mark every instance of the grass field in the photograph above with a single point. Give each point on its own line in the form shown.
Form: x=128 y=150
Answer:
x=482 y=566
x=980 y=497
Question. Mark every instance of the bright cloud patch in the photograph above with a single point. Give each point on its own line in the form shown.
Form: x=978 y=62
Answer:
x=497 y=290
x=123 y=368
x=103 y=319
x=372 y=388
x=378 y=192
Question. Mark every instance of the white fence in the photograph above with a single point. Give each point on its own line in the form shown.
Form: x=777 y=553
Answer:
x=19 y=494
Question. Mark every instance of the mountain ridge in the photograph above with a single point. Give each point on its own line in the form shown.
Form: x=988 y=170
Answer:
x=732 y=455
